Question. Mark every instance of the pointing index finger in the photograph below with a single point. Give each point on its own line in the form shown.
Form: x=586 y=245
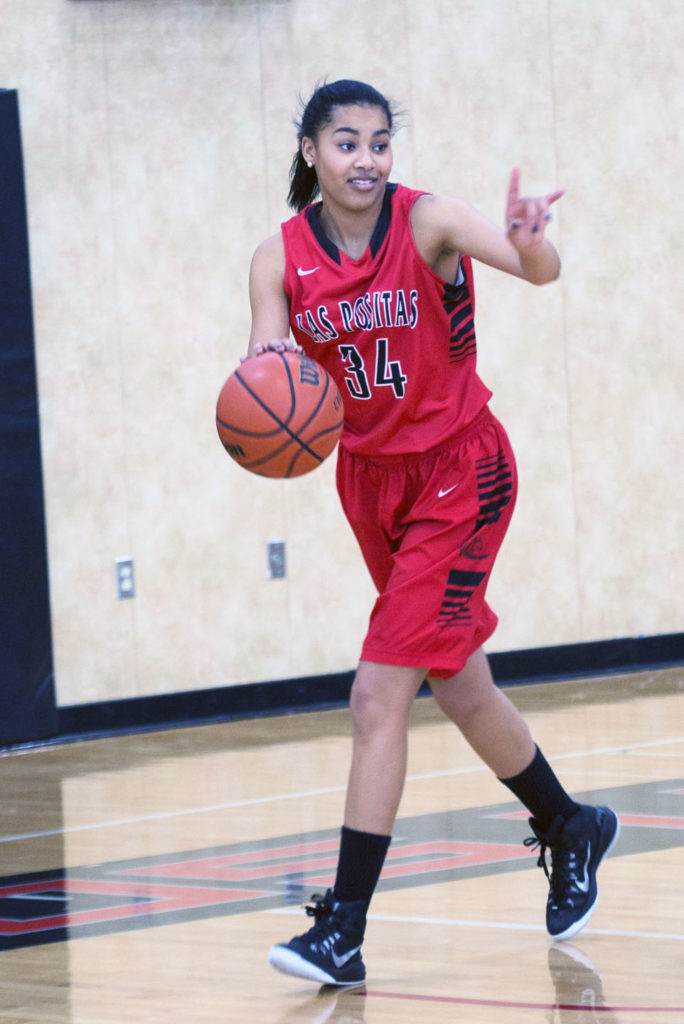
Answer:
x=514 y=187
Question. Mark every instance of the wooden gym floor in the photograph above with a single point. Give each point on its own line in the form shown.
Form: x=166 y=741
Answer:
x=144 y=877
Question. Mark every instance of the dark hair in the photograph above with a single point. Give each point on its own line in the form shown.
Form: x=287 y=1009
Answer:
x=317 y=114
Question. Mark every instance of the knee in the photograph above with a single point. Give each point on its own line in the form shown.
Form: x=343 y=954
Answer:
x=367 y=711
x=463 y=704
x=471 y=708
x=381 y=699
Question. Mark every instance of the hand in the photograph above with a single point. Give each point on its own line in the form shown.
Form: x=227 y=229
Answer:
x=275 y=345
x=526 y=218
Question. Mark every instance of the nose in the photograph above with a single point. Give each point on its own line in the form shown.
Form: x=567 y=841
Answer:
x=365 y=158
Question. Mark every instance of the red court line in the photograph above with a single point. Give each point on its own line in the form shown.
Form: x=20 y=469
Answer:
x=454 y=857
x=208 y=866
x=438 y=855
x=156 y=899
x=512 y=1005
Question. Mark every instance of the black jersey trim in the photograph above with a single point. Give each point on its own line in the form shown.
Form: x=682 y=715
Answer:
x=313 y=216
x=384 y=221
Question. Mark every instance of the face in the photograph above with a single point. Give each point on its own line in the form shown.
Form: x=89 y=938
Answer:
x=352 y=155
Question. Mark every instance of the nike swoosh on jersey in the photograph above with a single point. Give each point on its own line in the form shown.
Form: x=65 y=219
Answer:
x=303 y=273
x=447 y=490
x=340 y=961
x=584 y=884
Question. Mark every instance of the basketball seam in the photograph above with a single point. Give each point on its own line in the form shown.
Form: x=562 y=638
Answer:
x=282 y=424
x=303 y=446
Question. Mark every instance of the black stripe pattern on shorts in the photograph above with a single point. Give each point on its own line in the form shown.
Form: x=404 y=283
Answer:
x=494 y=488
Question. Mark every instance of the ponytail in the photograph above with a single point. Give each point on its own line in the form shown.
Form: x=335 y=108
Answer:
x=303 y=183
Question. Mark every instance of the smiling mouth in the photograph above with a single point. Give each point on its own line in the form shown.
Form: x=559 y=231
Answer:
x=363 y=182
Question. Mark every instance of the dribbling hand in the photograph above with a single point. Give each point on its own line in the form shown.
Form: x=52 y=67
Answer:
x=275 y=345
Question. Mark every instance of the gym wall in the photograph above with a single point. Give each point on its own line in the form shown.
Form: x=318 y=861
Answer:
x=157 y=140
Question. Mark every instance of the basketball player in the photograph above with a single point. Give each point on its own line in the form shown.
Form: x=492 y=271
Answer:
x=375 y=282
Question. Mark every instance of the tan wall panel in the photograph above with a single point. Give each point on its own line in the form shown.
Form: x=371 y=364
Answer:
x=158 y=137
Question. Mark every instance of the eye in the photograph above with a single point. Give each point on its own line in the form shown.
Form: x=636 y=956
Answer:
x=347 y=147
x=381 y=147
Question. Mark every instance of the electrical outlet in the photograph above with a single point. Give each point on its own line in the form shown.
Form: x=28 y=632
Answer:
x=276 y=559
x=125 y=578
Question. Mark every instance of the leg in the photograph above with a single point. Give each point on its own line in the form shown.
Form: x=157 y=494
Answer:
x=578 y=836
x=330 y=952
x=499 y=734
x=381 y=699
x=491 y=724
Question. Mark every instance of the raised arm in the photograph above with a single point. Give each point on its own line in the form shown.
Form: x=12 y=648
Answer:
x=445 y=227
x=270 y=310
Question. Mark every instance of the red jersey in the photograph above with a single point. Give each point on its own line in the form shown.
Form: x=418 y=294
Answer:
x=398 y=340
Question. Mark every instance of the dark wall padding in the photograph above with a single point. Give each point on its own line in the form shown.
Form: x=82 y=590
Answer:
x=27 y=699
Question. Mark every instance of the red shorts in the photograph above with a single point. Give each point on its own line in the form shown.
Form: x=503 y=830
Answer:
x=430 y=526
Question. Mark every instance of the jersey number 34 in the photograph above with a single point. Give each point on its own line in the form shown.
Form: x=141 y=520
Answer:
x=388 y=374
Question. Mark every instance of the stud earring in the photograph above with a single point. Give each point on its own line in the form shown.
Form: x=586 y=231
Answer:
x=309 y=163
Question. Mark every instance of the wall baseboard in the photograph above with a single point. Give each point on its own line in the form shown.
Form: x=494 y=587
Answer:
x=601 y=657
x=544 y=664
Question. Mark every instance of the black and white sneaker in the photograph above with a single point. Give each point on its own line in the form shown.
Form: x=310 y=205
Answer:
x=577 y=847
x=330 y=952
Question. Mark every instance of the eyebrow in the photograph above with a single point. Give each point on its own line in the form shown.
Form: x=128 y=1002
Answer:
x=353 y=131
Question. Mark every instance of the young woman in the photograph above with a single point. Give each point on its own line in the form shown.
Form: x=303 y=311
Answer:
x=375 y=283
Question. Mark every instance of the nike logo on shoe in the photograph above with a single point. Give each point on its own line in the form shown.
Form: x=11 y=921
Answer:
x=446 y=490
x=583 y=885
x=303 y=273
x=340 y=961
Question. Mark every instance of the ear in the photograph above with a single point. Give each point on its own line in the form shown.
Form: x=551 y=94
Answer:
x=308 y=150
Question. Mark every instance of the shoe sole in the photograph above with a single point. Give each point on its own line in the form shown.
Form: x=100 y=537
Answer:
x=288 y=962
x=579 y=925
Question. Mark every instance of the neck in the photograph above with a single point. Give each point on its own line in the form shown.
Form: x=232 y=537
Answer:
x=351 y=231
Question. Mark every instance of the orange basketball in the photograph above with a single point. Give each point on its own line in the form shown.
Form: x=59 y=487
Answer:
x=279 y=414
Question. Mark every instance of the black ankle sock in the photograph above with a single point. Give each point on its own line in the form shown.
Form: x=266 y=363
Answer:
x=538 y=788
x=362 y=855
